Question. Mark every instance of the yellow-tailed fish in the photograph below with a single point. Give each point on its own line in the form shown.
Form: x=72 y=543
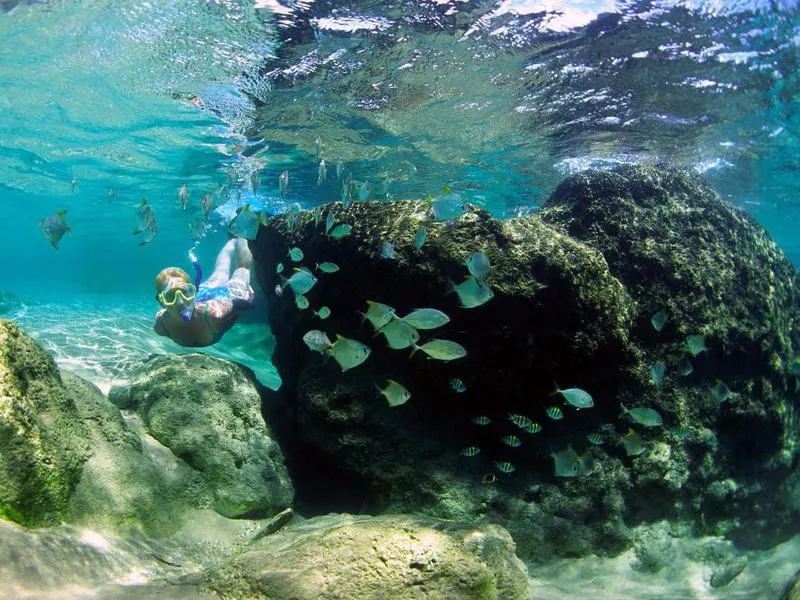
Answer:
x=399 y=334
x=575 y=396
x=340 y=230
x=442 y=350
x=420 y=237
x=244 y=224
x=478 y=265
x=644 y=416
x=349 y=353
x=426 y=318
x=632 y=443
x=301 y=281
x=472 y=293
x=378 y=314
x=565 y=462
x=696 y=344
x=394 y=393
x=327 y=267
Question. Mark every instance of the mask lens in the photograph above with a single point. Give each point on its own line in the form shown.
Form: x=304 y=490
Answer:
x=170 y=296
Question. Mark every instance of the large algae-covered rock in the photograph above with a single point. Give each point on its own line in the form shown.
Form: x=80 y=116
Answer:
x=42 y=438
x=130 y=483
x=208 y=413
x=397 y=556
x=575 y=290
x=678 y=248
x=557 y=315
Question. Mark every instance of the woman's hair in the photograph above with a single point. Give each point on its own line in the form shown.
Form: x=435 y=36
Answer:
x=168 y=273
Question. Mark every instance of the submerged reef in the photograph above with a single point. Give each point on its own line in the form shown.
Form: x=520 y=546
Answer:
x=638 y=285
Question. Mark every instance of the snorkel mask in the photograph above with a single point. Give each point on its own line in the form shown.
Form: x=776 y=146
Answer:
x=183 y=295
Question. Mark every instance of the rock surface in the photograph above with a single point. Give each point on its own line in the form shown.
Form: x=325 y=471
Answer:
x=208 y=413
x=399 y=556
x=572 y=305
x=42 y=437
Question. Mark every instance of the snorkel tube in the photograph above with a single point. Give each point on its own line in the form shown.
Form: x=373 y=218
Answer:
x=186 y=311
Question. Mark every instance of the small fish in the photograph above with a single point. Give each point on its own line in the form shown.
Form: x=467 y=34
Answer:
x=682 y=432
x=54 y=227
x=74 y=183
x=244 y=224
x=394 y=393
x=301 y=281
x=472 y=293
x=420 y=237
x=317 y=341
x=488 y=478
x=657 y=372
x=442 y=350
x=595 y=438
x=685 y=369
x=339 y=168
x=519 y=420
x=295 y=254
x=478 y=265
x=279 y=268
x=481 y=420
x=576 y=397
x=471 y=451
x=721 y=392
x=399 y=334
x=554 y=413
x=447 y=207
x=457 y=385
x=301 y=301
x=696 y=344
x=658 y=320
x=341 y=230
x=317 y=215
x=532 y=428
x=329 y=220
x=349 y=353
x=426 y=318
x=644 y=416
x=364 y=191
x=504 y=466
x=323 y=313
x=318 y=147
x=388 y=251
x=110 y=194
x=322 y=172
x=255 y=181
x=632 y=443
x=283 y=183
x=278 y=290
x=511 y=440
x=327 y=267
x=378 y=314
x=145 y=215
x=585 y=464
x=292 y=215
x=183 y=196
x=347 y=193
x=207 y=204
x=565 y=462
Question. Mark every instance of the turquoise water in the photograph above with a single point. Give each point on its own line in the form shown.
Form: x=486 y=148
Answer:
x=497 y=100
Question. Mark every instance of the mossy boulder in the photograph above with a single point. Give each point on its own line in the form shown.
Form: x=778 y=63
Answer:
x=575 y=288
x=395 y=556
x=43 y=441
x=208 y=413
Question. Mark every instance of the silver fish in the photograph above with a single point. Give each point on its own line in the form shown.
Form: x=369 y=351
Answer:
x=349 y=353
x=322 y=172
x=478 y=265
x=442 y=350
x=395 y=393
x=54 y=227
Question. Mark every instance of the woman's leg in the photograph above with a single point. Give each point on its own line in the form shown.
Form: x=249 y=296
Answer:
x=222 y=266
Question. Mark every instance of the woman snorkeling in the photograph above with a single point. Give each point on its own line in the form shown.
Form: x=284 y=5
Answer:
x=198 y=314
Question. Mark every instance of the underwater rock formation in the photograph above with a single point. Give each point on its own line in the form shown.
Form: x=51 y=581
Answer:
x=377 y=557
x=575 y=289
x=42 y=437
x=208 y=413
x=677 y=247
